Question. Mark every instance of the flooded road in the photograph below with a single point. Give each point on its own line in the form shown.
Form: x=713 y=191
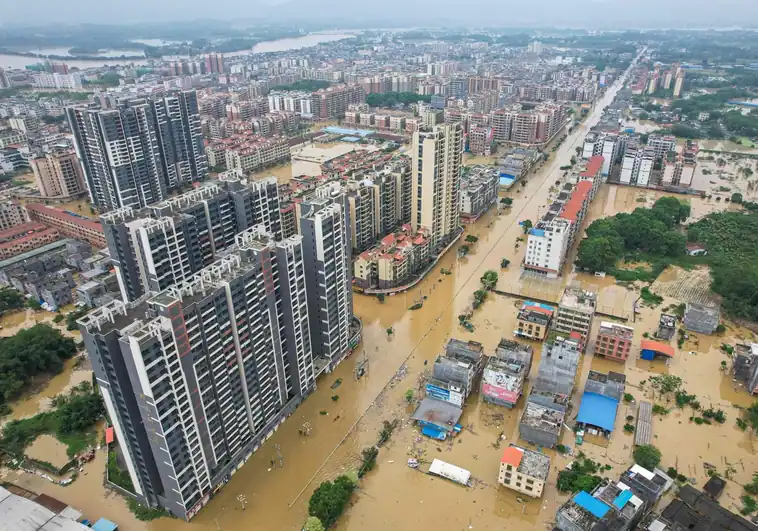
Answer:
x=394 y=496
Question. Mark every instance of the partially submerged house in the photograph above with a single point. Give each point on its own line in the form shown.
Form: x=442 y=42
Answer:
x=543 y=417
x=666 y=327
x=654 y=349
x=702 y=319
x=600 y=403
x=745 y=366
x=614 y=505
x=505 y=373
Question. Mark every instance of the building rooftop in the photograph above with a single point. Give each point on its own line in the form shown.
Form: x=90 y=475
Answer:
x=578 y=299
x=438 y=412
x=527 y=462
x=616 y=330
x=542 y=417
x=593 y=166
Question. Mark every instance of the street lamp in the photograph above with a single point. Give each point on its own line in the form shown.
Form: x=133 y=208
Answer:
x=242 y=499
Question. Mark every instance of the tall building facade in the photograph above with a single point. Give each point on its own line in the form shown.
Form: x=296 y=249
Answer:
x=165 y=243
x=436 y=174
x=194 y=378
x=58 y=174
x=324 y=226
x=134 y=154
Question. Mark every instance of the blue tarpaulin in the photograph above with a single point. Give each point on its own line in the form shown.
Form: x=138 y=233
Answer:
x=104 y=525
x=596 y=507
x=598 y=410
x=622 y=499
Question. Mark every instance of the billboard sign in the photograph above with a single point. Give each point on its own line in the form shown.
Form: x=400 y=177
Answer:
x=441 y=393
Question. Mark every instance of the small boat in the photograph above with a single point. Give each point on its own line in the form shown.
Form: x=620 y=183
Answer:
x=413 y=463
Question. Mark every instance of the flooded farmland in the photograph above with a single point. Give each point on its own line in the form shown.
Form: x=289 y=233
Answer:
x=397 y=497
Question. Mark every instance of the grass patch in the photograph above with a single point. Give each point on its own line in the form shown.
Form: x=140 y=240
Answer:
x=116 y=475
x=145 y=514
x=650 y=298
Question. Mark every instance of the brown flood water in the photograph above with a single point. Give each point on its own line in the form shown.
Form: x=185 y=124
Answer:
x=394 y=496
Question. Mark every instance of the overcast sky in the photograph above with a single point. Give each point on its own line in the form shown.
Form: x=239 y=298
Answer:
x=564 y=13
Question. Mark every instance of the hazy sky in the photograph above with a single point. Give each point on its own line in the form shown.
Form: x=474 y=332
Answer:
x=565 y=13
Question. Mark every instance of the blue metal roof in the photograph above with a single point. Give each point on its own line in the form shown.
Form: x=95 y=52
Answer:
x=622 y=499
x=596 y=507
x=537 y=232
x=598 y=410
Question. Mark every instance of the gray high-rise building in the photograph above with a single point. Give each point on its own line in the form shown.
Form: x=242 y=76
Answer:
x=135 y=153
x=155 y=247
x=194 y=378
x=324 y=226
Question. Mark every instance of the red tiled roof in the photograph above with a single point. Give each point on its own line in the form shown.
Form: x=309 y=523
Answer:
x=65 y=216
x=538 y=309
x=593 y=166
x=574 y=204
x=655 y=346
x=512 y=456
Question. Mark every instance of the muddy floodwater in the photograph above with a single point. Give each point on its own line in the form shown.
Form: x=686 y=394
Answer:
x=396 y=497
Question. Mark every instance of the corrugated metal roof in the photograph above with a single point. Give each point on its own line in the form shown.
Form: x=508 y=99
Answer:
x=598 y=410
x=643 y=434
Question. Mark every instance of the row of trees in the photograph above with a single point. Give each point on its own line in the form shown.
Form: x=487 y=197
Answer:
x=10 y=299
x=40 y=349
x=651 y=230
x=390 y=99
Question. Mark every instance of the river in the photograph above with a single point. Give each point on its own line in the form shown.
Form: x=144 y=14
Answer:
x=396 y=497
x=279 y=45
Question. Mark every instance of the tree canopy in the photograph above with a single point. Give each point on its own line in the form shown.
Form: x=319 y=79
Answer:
x=330 y=499
x=10 y=299
x=732 y=242
x=652 y=230
x=32 y=351
x=647 y=456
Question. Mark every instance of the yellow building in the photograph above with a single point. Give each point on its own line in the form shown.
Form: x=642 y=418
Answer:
x=533 y=321
x=524 y=470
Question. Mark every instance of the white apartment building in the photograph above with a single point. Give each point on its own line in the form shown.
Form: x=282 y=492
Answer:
x=637 y=166
x=546 y=247
x=436 y=172
x=70 y=81
x=605 y=144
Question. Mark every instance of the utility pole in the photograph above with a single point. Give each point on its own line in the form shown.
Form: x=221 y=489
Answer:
x=242 y=499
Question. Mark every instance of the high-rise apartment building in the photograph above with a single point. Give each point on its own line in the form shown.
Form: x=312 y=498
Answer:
x=679 y=83
x=134 y=154
x=637 y=165
x=436 y=174
x=324 y=226
x=4 y=81
x=58 y=174
x=166 y=243
x=332 y=102
x=194 y=378
x=214 y=63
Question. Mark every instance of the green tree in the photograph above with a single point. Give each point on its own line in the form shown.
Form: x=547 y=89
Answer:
x=504 y=263
x=489 y=280
x=596 y=254
x=526 y=225
x=313 y=524
x=470 y=238
x=33 y=304
x=10 y=299
x=647 y=456
x=79 y=413
x=328 y=501
x=507 y=201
